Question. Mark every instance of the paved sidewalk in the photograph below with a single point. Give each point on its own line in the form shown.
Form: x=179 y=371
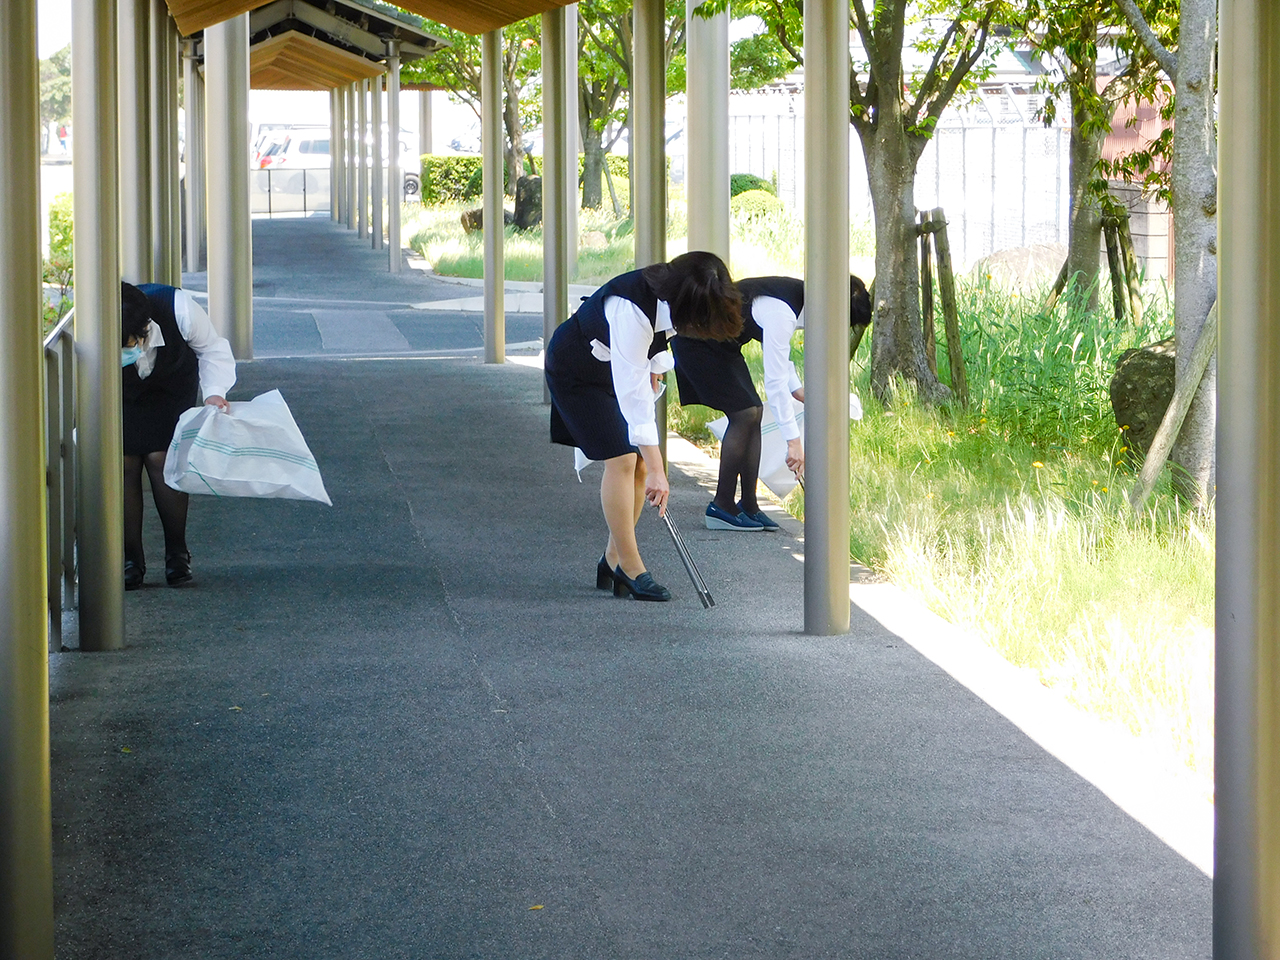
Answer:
x=409 y=726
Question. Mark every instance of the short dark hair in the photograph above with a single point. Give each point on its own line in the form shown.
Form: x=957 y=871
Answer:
x=135 y=312
x=705 y=302
x=859 y=303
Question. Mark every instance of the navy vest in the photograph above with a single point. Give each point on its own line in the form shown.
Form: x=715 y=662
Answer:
x=629 y=286
x=787 y=289
x=175 y=375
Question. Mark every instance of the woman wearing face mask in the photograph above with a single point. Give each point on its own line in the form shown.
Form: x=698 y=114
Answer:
x=171 y=356
x=715 y=374
x=602 y=367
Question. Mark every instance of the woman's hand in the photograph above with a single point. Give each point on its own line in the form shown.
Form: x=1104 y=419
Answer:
x=219 y=402
x=795 y=457
x=656 y=488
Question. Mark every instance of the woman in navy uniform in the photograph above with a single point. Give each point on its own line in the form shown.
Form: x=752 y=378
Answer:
x=713 y=373
x=171 y=355
x=602 y=368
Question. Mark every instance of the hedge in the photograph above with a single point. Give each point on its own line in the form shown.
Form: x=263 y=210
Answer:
x=452 y=178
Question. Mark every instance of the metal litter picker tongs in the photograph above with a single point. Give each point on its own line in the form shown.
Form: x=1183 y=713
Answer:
x=690 y=567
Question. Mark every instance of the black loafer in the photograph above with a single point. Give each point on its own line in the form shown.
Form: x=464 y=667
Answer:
x=604 y=575
x=642 y=587
x=177 y=569
x=133 y=575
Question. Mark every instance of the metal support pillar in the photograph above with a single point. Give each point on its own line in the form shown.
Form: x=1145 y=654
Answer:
x=362 y=159
x=574 y=134
x=335 y=152
x=649 y=178
x=136 y=127
x=352 y=164
x=26 y=869
x=96 y=213
x=826 y=303
x=226 y=47
x=707 y=52
x=377 y=172
x=424 y=122
x=193 y=82
x=1246 y=884
x=559 y=169
x=165 y=267
x=491 y=162
x=395 y=178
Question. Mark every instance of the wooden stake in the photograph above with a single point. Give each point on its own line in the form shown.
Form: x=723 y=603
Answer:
x=926 y=294
x=1119 y=289
x=1130 y=268
x=950 y=315
x=1183 y=394
x=1058 y=286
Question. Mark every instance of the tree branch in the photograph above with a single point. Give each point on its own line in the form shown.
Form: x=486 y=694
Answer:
x=931 y=75
x=864 y=31
x=1138 y=23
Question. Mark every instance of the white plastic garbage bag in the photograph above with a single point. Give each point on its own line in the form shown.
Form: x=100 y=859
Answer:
x=256 y=450
x=775 y=473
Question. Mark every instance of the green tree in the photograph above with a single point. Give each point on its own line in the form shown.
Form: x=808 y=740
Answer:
x=55 y=88
x=457 y=69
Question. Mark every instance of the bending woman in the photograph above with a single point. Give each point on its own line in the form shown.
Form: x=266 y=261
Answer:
x=171 y=355
x=715 y=374
x=602 y=367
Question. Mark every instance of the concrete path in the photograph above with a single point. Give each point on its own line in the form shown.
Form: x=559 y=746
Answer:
x=409 y=726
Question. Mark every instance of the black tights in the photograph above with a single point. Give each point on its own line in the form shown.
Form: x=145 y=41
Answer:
x=740 y=458
x=171 y=504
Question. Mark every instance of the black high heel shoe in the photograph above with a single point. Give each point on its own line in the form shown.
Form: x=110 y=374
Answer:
x=604 y=575
x=642 y=587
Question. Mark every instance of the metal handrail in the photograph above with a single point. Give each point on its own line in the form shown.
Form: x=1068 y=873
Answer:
x=60 y=474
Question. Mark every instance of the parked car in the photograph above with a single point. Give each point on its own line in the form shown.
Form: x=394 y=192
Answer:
x=302 y=157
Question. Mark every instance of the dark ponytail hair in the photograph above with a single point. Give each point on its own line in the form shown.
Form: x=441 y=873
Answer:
x=135 y=312
x=704 y=300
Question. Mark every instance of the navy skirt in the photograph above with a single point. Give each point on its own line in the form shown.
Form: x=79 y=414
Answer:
x=584 y=406
x=714 y=374
x=149 y=424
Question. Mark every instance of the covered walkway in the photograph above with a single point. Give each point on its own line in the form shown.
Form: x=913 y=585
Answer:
x=409 y=726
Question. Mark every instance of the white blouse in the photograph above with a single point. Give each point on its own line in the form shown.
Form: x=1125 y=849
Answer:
x=779 y=322
x=631 y=336
x=217 y=365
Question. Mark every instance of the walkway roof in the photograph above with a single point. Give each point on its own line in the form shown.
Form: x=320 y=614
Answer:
x=470 y=16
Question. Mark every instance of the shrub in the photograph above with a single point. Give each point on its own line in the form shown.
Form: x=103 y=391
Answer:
x=448 y=178
x=745 y=182
x=58 y=265
x=755 y=203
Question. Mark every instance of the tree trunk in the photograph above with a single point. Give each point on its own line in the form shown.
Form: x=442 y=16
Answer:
x=1084 y=234
x=1195 y=260
x=515 y=139
x=897 y=342
x=593 y=160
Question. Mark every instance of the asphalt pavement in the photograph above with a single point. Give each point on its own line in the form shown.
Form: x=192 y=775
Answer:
x=408 y=725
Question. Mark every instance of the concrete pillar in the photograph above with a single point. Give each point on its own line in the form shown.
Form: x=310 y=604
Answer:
x=377 y=172
x=649 y=176
x=352 y=164
x=424 y=122
x=395 y=177
x=707 y=177
x=165 y=265
x=96 y=212
x=193 y=82
x=491 y=162
x=26 y=869
x=1246 y=886
x=559 y=172
x=136 y=127
x=826 y=307
x=362 y=159
x=226 y=57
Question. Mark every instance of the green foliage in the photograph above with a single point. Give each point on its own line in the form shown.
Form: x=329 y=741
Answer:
x=742 y=182
x=55 y=87
x=755 y=203
x=446 y=178
x=57 y=272
x=758 y=60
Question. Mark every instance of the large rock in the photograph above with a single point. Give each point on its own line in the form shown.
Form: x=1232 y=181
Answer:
x=528 y=202
x=1025 y=269
x=1140 y=393
x=473 y=220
